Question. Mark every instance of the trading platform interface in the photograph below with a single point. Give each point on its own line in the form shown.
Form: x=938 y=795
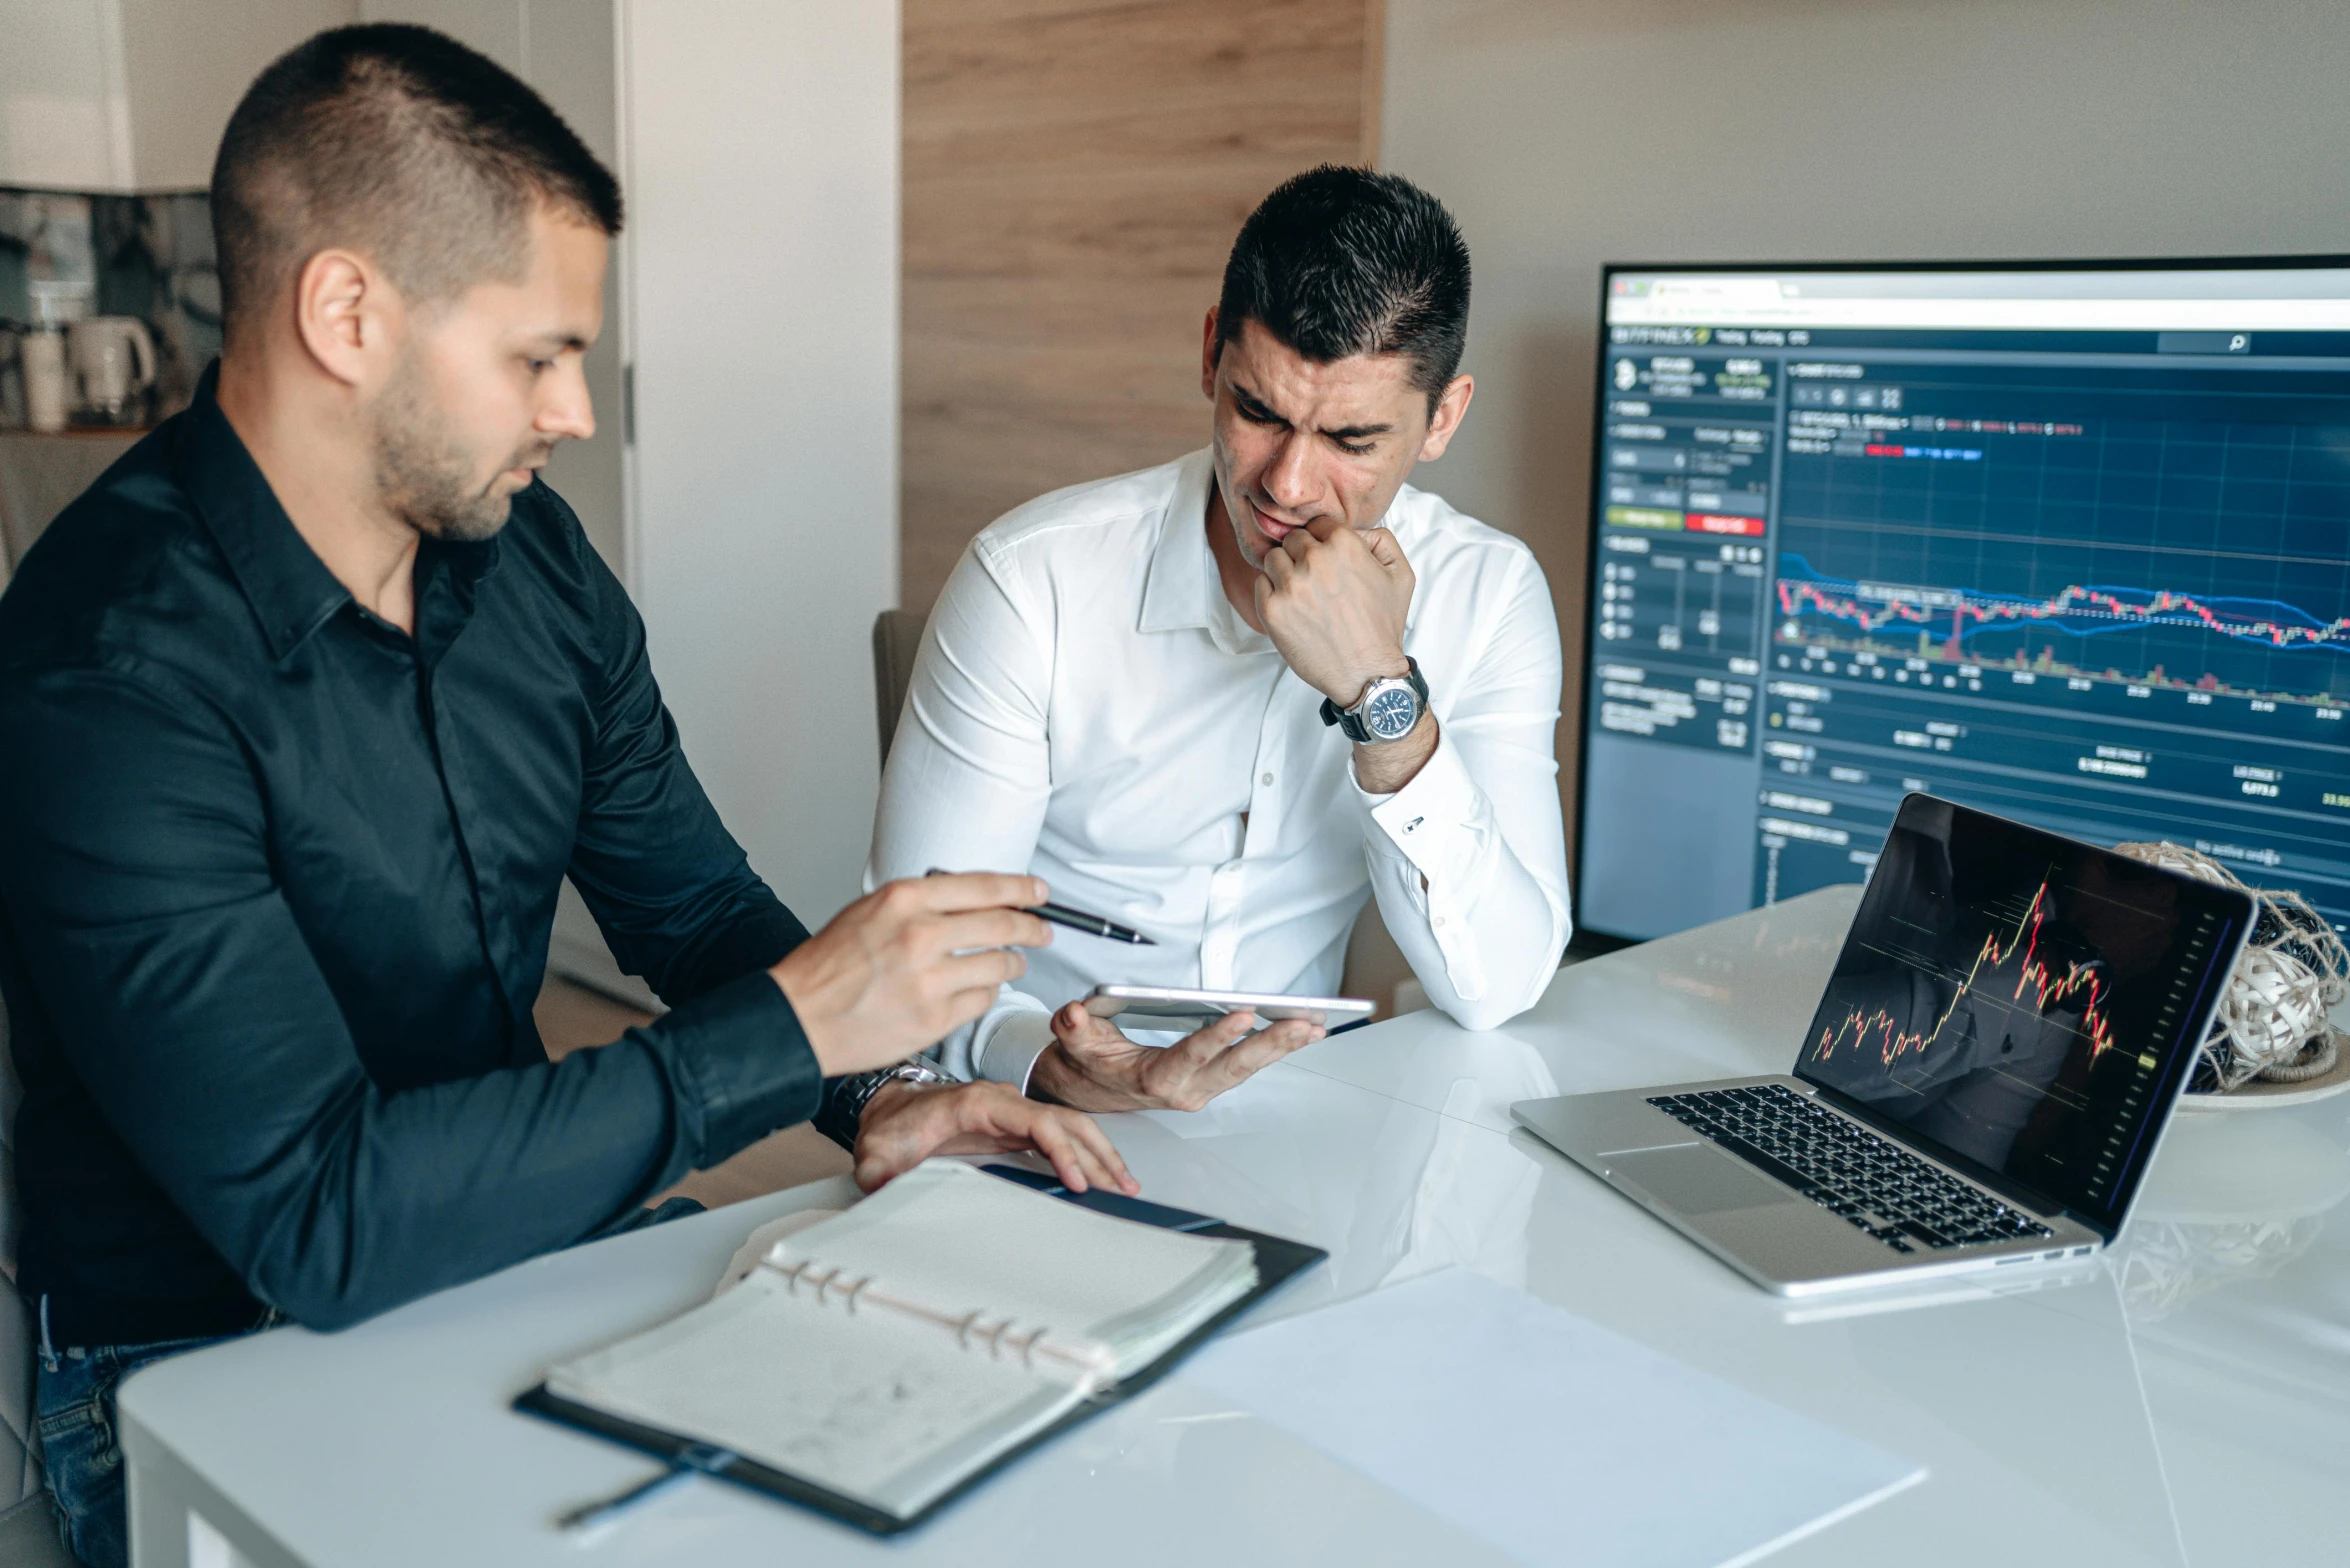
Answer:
x=2022 y=1001
x=2069 y=546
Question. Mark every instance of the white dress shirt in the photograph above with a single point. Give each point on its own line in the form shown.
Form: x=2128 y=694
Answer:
x=1088 y=707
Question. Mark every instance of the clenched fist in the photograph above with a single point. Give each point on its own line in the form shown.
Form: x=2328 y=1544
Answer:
x=1333 y=599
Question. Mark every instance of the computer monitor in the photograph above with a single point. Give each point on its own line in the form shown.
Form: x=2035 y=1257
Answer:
x=2070 y=543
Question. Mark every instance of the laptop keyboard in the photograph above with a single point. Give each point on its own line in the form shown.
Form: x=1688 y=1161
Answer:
x=1842 y=1166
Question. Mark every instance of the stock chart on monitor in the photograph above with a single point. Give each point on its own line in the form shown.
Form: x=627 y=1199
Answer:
x=2067 y=544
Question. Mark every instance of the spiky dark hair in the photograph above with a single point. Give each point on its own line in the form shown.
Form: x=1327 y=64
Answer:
x=1341 y=261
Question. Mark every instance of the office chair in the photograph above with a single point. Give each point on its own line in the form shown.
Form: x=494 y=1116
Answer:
x=897 y=635
x=28 y=1527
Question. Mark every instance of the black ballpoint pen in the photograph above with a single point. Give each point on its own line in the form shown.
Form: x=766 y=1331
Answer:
x=1076 y=920
x=1091 y=925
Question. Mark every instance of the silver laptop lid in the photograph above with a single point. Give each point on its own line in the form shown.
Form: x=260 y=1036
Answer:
x=2022 y=1005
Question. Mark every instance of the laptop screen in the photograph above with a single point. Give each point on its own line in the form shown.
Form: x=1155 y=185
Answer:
x=2024 y=1002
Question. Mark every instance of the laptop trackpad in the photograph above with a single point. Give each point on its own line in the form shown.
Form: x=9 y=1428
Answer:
x=1697 y=1179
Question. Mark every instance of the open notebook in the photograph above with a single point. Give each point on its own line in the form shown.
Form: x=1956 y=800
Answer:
x=874 y=1364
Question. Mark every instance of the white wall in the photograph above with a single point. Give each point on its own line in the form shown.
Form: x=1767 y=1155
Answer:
x=761 y=164
x=1565 y=133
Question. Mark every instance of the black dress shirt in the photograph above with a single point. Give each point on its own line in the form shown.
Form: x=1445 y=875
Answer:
x=276 y=885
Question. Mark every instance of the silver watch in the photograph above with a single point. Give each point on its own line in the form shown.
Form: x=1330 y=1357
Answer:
x=862 y=1088
x=1388 y=710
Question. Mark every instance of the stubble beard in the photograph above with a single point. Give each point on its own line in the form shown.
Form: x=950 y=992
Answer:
x=425 y=475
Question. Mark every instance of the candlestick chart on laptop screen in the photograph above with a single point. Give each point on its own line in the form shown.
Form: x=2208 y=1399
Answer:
x=2072 y=545
x=2027 y=1003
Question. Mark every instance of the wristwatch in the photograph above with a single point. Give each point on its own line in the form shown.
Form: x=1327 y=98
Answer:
x=859 y=1091
x=1387 y=710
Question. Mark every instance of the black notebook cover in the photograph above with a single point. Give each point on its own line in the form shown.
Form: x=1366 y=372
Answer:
x=1277 y=1262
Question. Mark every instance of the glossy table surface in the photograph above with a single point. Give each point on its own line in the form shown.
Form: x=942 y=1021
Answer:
x=2185 y=1399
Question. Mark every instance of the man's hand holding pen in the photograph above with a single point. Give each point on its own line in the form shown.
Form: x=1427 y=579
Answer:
x=908 y=964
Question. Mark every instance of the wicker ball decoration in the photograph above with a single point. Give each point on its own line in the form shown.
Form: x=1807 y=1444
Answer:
x=2273 y=1022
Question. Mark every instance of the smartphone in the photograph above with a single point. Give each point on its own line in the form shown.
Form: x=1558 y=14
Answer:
x=1171 y=1007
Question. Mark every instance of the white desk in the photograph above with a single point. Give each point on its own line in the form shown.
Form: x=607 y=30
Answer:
x=2187 y=1401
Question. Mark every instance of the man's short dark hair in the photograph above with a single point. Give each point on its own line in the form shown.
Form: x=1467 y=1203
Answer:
x=402 y=144
x=1339 y=261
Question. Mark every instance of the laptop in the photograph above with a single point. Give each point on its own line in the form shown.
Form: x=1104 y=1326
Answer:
x=2010 y=1024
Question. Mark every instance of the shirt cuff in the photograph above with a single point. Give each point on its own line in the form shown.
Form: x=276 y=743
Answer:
x=742 y=1064
x=1433 y=819
x=1009 y=1053
x=1430 y=836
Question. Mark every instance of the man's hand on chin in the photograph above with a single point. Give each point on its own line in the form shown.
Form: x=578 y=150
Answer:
x=1093 y=1066
x=906 y=1123
x=1333 y=599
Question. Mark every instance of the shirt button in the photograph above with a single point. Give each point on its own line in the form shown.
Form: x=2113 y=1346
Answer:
x=1438 y=922
x=1267 y=779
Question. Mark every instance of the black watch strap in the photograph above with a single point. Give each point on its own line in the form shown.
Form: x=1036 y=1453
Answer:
x=1350 y=725
x=1350 y=722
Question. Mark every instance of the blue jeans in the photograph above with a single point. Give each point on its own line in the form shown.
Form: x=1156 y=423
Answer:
x=78 y=1446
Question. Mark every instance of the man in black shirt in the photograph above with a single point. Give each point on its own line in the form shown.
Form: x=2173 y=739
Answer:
x=307 y=707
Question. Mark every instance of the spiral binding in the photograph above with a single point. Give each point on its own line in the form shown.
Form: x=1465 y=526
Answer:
x=1094 y=1361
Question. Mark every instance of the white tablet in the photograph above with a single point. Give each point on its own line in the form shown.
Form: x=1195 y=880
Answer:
x=1171 y=1007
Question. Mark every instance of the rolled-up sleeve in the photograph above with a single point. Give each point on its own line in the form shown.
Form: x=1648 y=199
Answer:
x=136 y=875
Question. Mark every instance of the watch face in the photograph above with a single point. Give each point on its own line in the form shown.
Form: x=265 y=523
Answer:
x=1390 y=714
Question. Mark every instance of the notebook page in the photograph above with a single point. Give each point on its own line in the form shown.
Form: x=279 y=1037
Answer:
x=950 y=1235
x=876 y=1406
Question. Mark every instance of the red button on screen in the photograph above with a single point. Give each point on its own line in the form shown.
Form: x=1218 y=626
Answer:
x=1719 y=523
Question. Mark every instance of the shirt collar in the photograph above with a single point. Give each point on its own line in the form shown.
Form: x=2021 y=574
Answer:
x=289 y=588
x=1182 y=591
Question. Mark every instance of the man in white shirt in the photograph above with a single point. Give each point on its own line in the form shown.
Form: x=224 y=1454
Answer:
x=1191 y=698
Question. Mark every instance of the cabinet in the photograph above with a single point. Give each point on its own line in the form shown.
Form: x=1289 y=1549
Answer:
x=132 y=95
